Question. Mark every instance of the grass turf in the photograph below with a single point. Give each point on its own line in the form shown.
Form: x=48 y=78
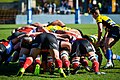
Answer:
x=5 y=1
x=9 y=72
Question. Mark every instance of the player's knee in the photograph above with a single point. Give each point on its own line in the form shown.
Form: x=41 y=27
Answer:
x=93 y=57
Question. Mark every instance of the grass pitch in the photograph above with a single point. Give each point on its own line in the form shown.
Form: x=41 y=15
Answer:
x=9 y=72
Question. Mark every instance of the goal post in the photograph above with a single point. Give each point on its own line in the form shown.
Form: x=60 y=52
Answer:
x=77 y=13
x=29 y=12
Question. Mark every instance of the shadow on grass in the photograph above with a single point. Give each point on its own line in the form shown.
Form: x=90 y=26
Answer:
x=8 y=70
x=12 y=69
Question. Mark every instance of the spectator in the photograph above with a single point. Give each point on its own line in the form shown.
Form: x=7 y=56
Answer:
x=45 y=7
x=50 y=8
x=39 y=9
x=53 y=8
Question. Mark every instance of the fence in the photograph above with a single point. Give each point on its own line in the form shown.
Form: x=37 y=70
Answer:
x=68 y=19
x=8 y=16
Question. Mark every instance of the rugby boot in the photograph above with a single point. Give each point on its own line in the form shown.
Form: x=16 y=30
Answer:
x=100 y=73
x=21 y=72
x=62 y=74
x=67 y=71
x=75 y=71
x=109 y=65
x=52 y=68
x=37 y=70
x=87 y=68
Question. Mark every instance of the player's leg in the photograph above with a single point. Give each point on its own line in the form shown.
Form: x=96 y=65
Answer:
x=29 y=60
x=109 y=53
x=54 y=51
x=95 y=64
x=65 y=49
x=50 y=63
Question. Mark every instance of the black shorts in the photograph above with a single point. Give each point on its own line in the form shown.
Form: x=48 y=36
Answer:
x=114 y=33
x=45 y=41
x=81 y=47
x=25 y=43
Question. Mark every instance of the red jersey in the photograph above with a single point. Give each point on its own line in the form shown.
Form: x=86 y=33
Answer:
x=27 y=30
x=5 y=43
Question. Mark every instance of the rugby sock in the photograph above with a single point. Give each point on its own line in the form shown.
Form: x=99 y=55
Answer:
x=84 y=62
x=28 y=62
x=58 y=63
x=109 y=54
x=37 y=61
x=66 y=63
x=49 y=64
x=95 y=66
x=117 y=57
x=75 y=65
x=22 y=60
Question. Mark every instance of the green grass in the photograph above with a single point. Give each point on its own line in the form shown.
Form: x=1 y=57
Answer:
x=8 y=0
x=9 y=72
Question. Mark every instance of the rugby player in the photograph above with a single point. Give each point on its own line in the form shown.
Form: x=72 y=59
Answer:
x=82 y=48
x=43 y=41
x=111 y=34
x=7 y=47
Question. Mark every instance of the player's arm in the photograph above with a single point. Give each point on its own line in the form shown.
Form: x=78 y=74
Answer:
x=45 y=30
x=106 y=33
x=34 y=34
x=57 y=22
x=99 y=31
x=62 y=36
x=99 y=34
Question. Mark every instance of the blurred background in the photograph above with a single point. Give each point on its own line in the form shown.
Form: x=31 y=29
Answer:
x=9 y=9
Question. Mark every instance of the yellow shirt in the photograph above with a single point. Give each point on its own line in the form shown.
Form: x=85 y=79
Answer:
x=106 y=21
x=54 y=28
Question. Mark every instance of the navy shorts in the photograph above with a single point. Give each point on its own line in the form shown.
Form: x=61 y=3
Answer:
x=81 y=48
x=114 y=32
x=45 y=41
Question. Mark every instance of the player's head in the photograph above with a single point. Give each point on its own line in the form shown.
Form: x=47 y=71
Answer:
x=95 y=12
x=80 y=32
x=91 y=38
x=15 y=35
x=37 y=24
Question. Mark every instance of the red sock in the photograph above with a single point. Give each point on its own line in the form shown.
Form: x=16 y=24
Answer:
x=95 y=66
x=66 y=63
x=28 y=62
x=85 y=62
x=58 y=63
x=75 y=65
x=37 y=61
x=49 y=64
